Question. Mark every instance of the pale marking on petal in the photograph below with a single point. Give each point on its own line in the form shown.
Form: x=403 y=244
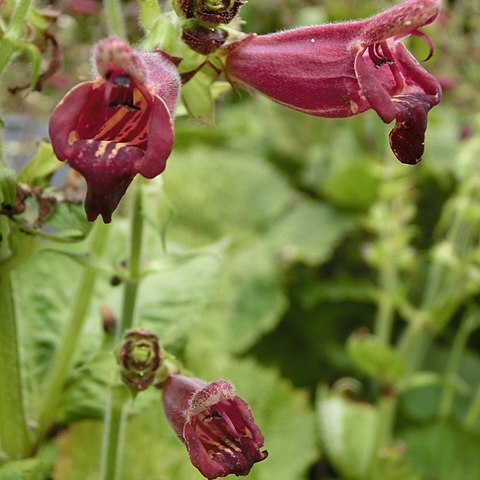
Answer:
x=354 y=107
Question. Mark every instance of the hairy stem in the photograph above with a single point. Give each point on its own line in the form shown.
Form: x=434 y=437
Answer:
x=69 y=342
x=117 y=406
x=14 y=434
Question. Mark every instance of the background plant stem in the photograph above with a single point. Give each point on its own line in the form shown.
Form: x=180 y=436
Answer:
x=115 y=21
x=14 y=434
x=117 y=406
x=69 y=342
x=14 y=32
x=16 y=25
x=474 y=411
x=470 y=322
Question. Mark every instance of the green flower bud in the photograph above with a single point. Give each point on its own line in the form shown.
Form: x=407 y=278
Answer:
x=139 y=358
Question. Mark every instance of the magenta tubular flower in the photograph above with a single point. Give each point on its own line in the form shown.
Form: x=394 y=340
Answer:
x=216 y=426
x=342 y=69
x=117 y=125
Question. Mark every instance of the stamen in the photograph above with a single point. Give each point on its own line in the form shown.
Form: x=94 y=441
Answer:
x=377 y=56
x=399 y=80
x=428 y=40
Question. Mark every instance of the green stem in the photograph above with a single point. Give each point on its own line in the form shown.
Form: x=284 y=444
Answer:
x=115 y=21
x=113 y=435
x=414 y=344
x=469 y=324
x=14 y=32
x=386 y=307
x=149 y=13
x=135 y=254
x=473 y=412
x=7 y=47
x=14 y=434
x=68 y=345
x=16 y=25
x=117 y=406
x=383 y=428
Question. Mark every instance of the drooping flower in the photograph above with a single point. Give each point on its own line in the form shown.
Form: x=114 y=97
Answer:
x=342 y=69
x=117 y=125
x=216 y=425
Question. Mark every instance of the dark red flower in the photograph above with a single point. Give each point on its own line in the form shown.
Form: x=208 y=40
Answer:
x=216 y=426
x=117 y=125
x=343 y=69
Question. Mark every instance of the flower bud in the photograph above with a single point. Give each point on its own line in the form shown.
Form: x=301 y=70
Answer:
x=139 y=358
x=216 y=426
x=211 y=12
x=203 y=40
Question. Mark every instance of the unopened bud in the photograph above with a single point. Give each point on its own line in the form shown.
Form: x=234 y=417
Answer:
x=211 y=12
x=203 y=40
x=139 y=358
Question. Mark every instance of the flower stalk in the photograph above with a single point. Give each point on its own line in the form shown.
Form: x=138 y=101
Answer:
x=117 y=406
x=69 y=343
x=14 y=435
x=469 y=324
x=115 y=20
x=473 y=413
x=13 y=32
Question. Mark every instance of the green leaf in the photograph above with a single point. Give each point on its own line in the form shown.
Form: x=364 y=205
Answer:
x=171 y=301
x=230 y=194
x=43 y=164
x=45 y=289
x=29 y=469
x=198 y=99
x=164 y=35
x=309 y=232
x=350 y=184
x=70 y=220
x=374 y=357
x=347 y=433
x=8 y=179
x=247 y=303
x=443 y=451
x=149 y=13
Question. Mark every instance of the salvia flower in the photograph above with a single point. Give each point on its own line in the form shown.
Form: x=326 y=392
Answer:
x=139 y=359
x=117 y=125
x=343 y=69
x=216 y=425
